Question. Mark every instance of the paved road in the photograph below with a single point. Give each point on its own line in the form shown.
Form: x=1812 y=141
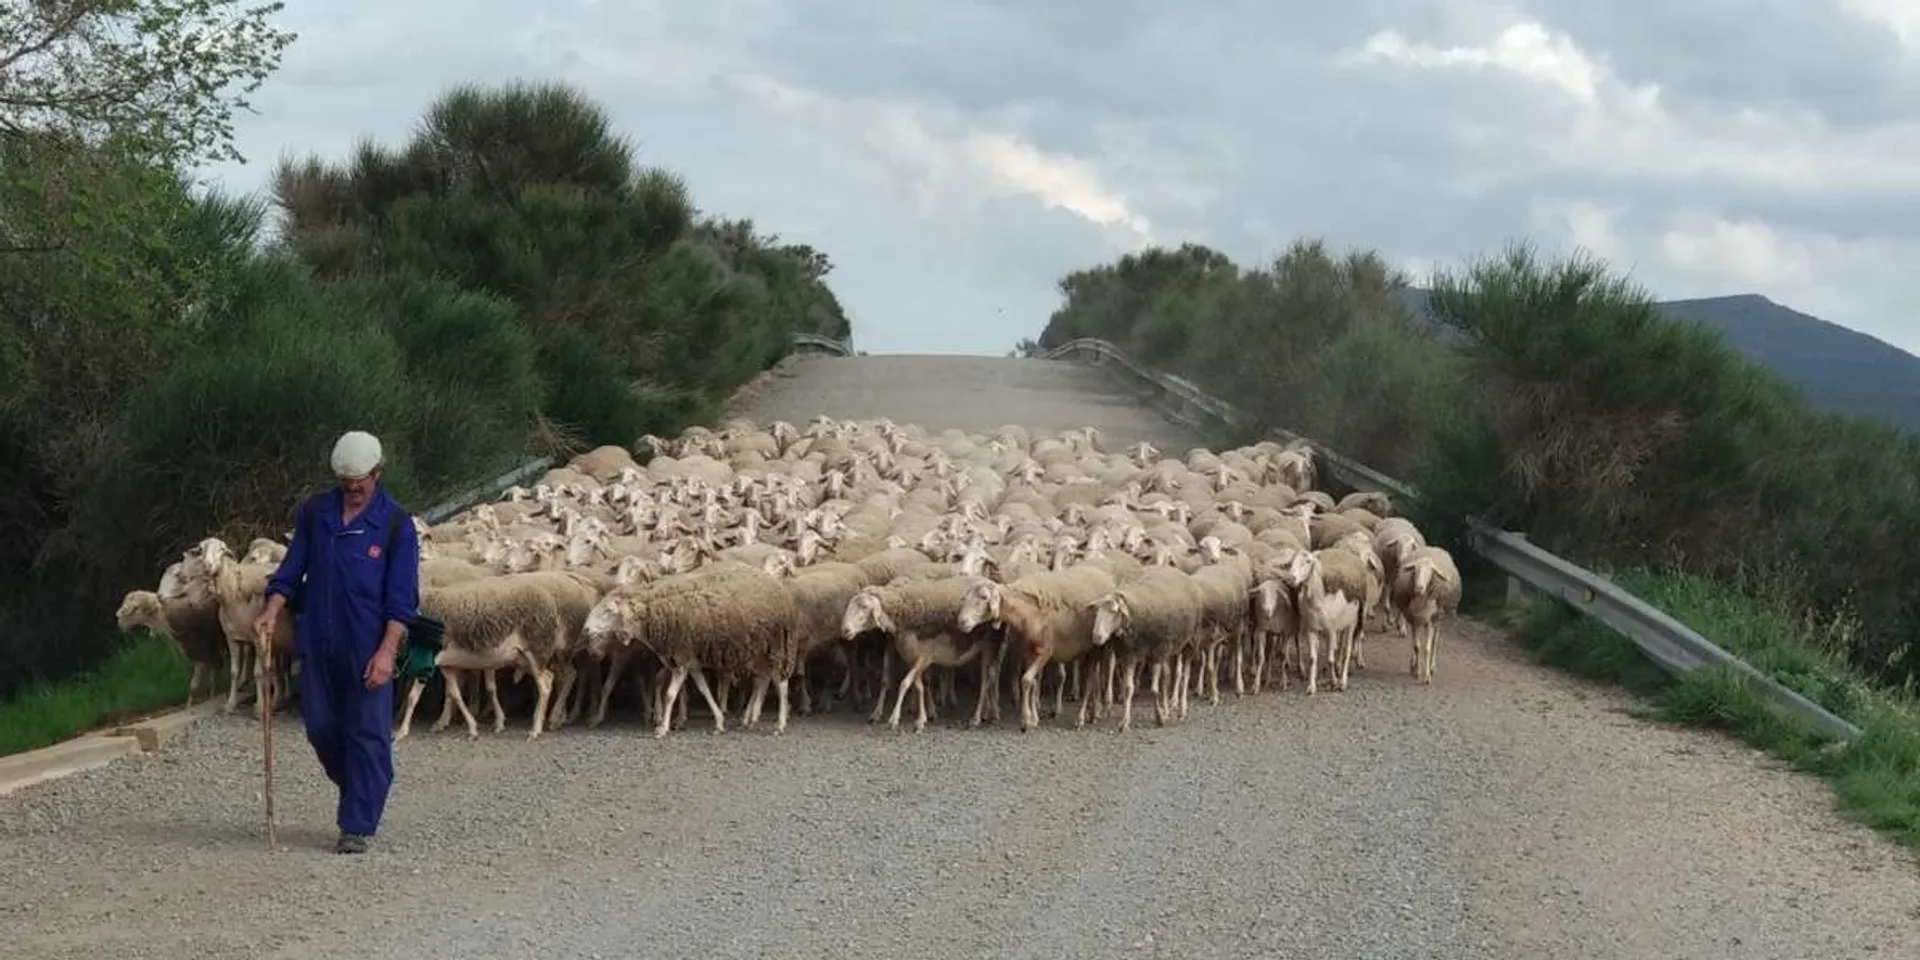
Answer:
x=1507 y=811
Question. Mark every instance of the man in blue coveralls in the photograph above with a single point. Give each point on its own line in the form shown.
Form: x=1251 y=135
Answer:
x=352 y=573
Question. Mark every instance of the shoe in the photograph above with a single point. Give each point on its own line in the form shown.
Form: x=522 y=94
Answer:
x=351 y=843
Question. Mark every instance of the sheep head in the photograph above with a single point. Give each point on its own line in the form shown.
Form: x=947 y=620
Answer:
x=209 y=556
x=1424 y=572
x=865 y=613
x=1111 y=617
x=1298 y=568
x=140 y=608
x=780 y=564
x=614 y=622
x=584 y=549
x=1270 y=597
x=980 y=605
x=263 y=550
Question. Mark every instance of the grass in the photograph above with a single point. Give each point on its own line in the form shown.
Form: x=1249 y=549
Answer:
x=1876 y=778
x=147 y=675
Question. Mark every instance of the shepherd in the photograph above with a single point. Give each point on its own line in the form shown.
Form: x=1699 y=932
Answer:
x=352 y=578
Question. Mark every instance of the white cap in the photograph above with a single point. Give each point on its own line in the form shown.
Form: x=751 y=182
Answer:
x=355 y=454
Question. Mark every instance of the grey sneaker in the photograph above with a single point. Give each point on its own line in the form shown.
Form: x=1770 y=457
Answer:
x=351 y=843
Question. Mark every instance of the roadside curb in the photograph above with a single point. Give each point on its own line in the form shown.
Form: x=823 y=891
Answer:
x=155 y=733
x=88 y=752
x=92 y=751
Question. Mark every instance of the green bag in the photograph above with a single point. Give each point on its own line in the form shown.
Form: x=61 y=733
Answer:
x=425 y=635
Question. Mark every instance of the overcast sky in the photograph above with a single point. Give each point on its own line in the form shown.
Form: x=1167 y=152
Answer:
x=955 y=158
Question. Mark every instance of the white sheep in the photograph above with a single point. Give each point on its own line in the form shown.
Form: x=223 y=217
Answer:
x=1426 y=589
x=1154 y=617
x=506 y=621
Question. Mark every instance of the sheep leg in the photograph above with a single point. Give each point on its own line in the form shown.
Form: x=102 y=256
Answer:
x=1239 y=668
x=925 y=702
x=565 y=673
x=1183 y=667
x=1156 y=675
x=805 y=689
x=1060 y=688
x=780 y=718
x=493 y=701
x=1110 y=678
x=989 y=685
x=460 y=703
x=1346 y=655
x=680 y=709
x=543 y=699
x=616 y=665
x=886 y=673
x=236 y=661
x=1126 y=694
x=445 y=720
x=654 y=702
x=1087 y=679
x=1107 y=687
x=589 y=675
x=755 y=701
x=667 y=700
x=197 y=682
x=1429 y=638
x=999 y=668
x=907 y=685
x=1030 y=692
x=1214 y=666
x=845 y=692
x=706 y=693
x=722 y=700
x=1359 y=654
x=414 y=690
x=1313 y=661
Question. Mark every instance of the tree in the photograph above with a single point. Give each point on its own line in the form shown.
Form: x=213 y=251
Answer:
x=642 y=314
x=162 y=78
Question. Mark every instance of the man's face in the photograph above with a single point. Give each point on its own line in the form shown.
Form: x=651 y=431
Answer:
x=357 y=490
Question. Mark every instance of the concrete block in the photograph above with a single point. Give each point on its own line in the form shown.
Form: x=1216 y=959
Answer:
x=155 y=733
x=62 y=759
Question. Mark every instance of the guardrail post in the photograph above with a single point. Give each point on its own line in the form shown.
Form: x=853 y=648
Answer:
x=1518 y=593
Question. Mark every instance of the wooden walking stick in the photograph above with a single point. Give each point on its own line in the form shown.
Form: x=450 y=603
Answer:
x=267 y=674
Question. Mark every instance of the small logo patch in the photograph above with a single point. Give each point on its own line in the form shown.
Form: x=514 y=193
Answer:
x=374 y=551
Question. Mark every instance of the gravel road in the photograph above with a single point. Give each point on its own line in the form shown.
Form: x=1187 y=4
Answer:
x=1506 y=811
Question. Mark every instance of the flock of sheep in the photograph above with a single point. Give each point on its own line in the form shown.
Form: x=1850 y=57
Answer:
x=868 y=561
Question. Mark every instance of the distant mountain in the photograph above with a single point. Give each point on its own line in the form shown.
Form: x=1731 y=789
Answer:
x=1840 y=369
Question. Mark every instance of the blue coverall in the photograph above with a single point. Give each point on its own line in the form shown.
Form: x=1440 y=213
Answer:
x=355 y=582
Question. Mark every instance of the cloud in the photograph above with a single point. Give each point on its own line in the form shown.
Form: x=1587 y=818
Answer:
x=955 y=158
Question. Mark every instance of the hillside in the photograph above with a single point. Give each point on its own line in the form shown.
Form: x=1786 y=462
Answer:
x=1840 y=369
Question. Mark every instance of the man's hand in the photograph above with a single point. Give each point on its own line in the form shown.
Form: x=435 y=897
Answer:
x=379 y=669
x=263 y=624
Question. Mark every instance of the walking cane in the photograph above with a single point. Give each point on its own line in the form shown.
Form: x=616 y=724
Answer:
x=264 y=644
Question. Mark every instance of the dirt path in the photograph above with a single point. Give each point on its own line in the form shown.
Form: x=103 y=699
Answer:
x=1506 y=811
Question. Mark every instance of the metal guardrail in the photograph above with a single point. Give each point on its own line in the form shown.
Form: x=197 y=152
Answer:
x=486 y=490
x=842 y=348
x=1675 y=647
